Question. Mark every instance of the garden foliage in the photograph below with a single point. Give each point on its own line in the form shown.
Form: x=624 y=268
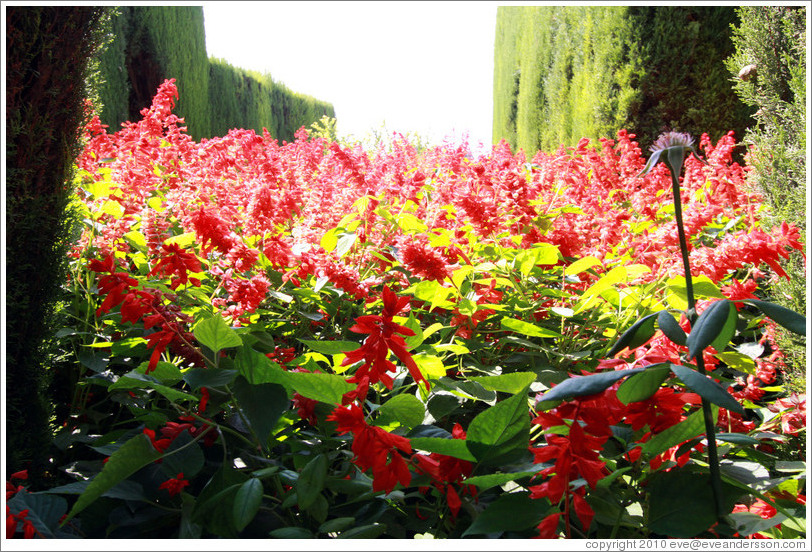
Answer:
x=771 y=47
x=315 y=340
x=565 y=72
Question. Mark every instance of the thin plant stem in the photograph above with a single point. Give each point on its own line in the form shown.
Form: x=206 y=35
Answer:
x=707 y=414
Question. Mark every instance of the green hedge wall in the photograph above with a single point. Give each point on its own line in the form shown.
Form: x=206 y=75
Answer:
x=151 y=43
x=562 y=73
x=246 y=99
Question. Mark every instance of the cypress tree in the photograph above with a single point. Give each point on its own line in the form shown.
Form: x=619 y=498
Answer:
x=48 y=65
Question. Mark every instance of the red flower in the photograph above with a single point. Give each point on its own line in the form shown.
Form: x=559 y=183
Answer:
x=382 y=339
x=175 y=485
x=177 y=262
x=446 y=470
x=372 y=447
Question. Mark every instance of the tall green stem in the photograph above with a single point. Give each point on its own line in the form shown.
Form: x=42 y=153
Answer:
x=707 y=414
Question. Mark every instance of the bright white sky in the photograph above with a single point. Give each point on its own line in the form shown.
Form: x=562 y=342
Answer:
x=423 y=67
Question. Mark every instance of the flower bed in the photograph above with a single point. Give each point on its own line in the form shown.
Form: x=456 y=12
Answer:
x=314 y=340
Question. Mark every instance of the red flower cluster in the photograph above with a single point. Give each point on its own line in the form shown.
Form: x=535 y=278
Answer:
x=374 y=448
x=384 y=336
x=446 y=472
x=175 y=485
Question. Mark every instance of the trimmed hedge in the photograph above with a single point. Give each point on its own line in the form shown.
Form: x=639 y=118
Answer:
x=48 y=76
x=562 y=73
x=153 y=43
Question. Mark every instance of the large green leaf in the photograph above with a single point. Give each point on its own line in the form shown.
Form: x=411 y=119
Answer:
x=514 y=382
x=134 y=380
x=450 y=447
x=214 y=333
x=640 y=387
x=311 y=481
x=262 y=405
x=586 y=385
x=681 y=502
x=44 y=511
x=494 y=479
x=687 y=429
x=183 y=456
x=404 y=410
x=500 y=430
x=208 y=377
x=247 y=502
x=509 y=512
x=640 y=332
x=326 y=388
x=789 y=319
x=706 y=388
x=526 y=328
x=717 y=323
x=128 y=459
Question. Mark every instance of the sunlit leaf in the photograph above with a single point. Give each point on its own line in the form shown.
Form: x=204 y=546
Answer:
x=706 y=388
x=712 y=326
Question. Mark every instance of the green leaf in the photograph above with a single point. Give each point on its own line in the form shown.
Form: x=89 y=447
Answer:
x=208 y=377
x=704 y=288
x=44 y=511
x=247 y=503
x=215 y=334
x=509 y=512
x=687 y=429
x=128 y=459
x=431 y=366
x=337 y=524
x=291 y=533
x=165 y=372
x=494 y=479
x=404 y=410
x=262 y=404
x=712 y=326
x=500 y=430
x=640 y=387
x=311 y=481
x=257 y=368
x=183 y=456
x=515 y=382
x=737 y=438
x=581 y=265
x=326 y=388
x=681 y=502
x=787 y=318
x=640 y=332
x=431 y=292
x=539 y=254
x=134 y=380
x=585 y=385
x=706 y=388
x=526 y=328
x=326 y=347
x=671 y=328
x=450 y=447
x=738 y=361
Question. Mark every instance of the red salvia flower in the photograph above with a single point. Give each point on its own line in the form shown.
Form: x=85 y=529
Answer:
x=175 y=485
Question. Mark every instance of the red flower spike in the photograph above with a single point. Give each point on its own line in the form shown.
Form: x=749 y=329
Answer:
x=175 y=485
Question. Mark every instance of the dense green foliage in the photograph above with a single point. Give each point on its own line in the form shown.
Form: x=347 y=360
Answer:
x=152 y=43
x=246 y=99
x=565 y=73
x=773 y=39
x=45 y=113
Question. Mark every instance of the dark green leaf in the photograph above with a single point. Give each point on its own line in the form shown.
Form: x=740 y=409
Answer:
x=640 y=387
x=586 y=385
x=215 y=334
x=450 y=447
x=208 y=377
x=509 y=512
x=687 y=429
x=712 y=326
x=291 y=533
x=128 y=459
x=737 y=438
x=183 y=456
x=494 y=479
x=262 y=404
x=44 y=511
x=247 y=503
x=681 y=503
x=706 y=388
x=336 y=524
x=500 y=429
x=789 y=319
x=311 y=481
x=671 y=328
x=256 y=367
x=326 y=347
x=640 y=332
